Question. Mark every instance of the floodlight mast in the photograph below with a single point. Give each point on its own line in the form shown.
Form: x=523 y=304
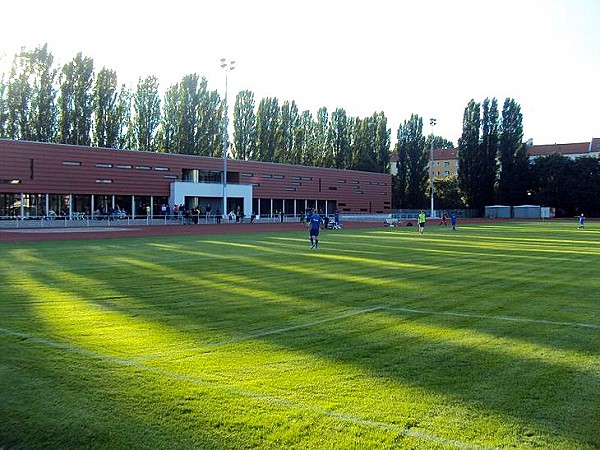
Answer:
x=432 y=122
x=227 y=66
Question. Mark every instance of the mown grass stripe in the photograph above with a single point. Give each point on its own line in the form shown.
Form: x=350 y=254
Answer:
x=412 y=432
x=486 y=336
x=263 y=334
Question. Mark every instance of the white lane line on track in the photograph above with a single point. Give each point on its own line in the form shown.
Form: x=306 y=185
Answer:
x=66 y=230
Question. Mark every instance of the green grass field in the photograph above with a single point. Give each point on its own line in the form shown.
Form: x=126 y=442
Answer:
x=487 y=337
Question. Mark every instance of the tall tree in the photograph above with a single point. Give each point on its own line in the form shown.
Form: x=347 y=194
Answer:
x=438 y=142
x=570 y=186
x=267 y=120
x=310 y=145
x=488 y=153
x=340 y=139
x=447 y=194
x=468 y=154
x=107 y=121
x=553 y=183
x=3 y=109
x=304 y=139
x=168 y=128
x=585 y=195
x=146 y=119
x=187 y=135
x=125 y=133
x=244 y=126
x=75 y=101
x=29 y=97
x=42 y=111
x=412 y=176
x=381 y=142
x=18 y=98
x=287 y=128
x=362 y=155
x=370 y=148
x=322 y=150
x=512 y=155
x=210 y=121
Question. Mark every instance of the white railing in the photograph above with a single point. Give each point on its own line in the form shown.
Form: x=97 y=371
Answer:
x=82 y=220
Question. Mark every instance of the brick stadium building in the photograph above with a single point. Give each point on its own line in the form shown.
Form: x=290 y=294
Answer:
x=37 y=179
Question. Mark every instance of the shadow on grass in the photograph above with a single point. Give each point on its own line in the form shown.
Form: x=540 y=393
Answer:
x=203 y=303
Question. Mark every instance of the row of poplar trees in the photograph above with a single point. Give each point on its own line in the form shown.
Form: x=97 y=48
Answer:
x=492 y=160
x=75 y=105
x=493 y=167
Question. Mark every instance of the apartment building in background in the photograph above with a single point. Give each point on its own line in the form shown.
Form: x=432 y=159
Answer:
x=445 y=161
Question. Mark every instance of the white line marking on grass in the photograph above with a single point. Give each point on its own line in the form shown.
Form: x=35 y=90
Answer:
x=63 y=346
x=404 y=431
x=315 y=409
x=507 y=318
x=411 y=432
x=262 y=334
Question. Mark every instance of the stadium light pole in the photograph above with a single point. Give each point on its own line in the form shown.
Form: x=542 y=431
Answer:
x=432 y=122
x=227 y=66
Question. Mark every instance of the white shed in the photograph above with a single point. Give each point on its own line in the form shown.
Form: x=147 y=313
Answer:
x=527 y=212
x=497 y=212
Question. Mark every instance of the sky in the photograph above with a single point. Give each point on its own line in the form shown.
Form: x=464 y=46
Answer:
x=425 y=57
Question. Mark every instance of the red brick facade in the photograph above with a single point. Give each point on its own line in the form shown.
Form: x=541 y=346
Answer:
x=51 y=169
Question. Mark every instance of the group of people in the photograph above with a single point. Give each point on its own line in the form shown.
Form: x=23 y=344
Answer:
x=109 y=213
x=237 y=216
x=422 y=219
x=189 y=215
x=315 y=222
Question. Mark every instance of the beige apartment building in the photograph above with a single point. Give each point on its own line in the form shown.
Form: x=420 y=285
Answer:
x=445 y=160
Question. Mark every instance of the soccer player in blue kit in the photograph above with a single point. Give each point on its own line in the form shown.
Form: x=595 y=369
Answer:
x=315 y=227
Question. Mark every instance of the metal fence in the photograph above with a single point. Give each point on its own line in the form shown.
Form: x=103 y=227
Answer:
x=143 y=220
x=30 y=222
